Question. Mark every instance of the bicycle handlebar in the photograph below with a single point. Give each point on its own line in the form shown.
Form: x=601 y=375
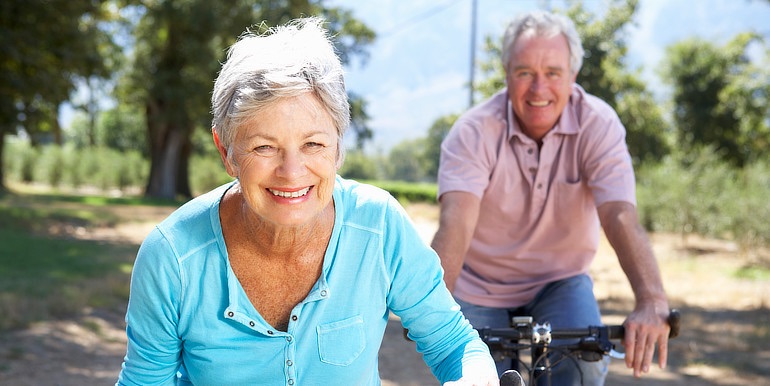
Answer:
x=613 y=332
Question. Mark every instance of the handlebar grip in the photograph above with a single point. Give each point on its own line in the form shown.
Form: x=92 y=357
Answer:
x=673 y=321
x=616 y=332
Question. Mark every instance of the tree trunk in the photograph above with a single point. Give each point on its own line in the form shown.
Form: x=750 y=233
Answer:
x=169 y=155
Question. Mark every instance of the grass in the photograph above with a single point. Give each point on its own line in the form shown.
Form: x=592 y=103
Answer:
x=47 y=270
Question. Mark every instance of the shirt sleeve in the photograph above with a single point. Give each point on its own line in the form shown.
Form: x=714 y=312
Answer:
x=153 y=349
x=608 y=168
x=466 y=160
x=426 y=308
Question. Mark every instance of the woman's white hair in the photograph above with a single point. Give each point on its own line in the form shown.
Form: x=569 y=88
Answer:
x=285 y=61
x=543 y=24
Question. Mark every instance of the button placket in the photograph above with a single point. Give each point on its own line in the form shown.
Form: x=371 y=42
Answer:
x=289 y=360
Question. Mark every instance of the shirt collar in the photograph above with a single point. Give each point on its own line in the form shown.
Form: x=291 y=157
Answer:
x=566 y=125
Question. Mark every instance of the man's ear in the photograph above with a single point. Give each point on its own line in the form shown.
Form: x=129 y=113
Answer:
x=231 y=169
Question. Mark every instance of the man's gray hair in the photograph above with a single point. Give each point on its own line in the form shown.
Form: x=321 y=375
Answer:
x=543 y=24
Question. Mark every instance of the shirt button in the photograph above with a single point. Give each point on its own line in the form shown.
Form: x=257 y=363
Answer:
x=291 y=381
x=532 y=170
x=251 y=323
x=288 y=339
x=539 y=186
x=323 y=293
x=289 y=362
x=269 y=332
x=529 y=151
x=230 y=314
x=294 y=318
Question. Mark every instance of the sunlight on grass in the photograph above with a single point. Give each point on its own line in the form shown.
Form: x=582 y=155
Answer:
x=47 y=273
x=752 y=272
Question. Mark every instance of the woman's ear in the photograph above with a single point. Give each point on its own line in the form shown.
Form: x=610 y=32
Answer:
x=223 y=153
x=340 y=156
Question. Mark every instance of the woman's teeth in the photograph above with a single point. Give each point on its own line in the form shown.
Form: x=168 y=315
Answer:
x=298 y=193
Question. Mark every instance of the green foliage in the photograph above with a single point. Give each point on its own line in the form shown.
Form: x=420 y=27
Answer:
x=207 y=172
x=604 y=41
x=719 y=97
x=121 y=128
x=406 y=161
x=359 y=166
x=431 y=152
x=47 y=47
x=359 y=120
x=491 y=69
x=418 y=160
x=407 y=192
x=66 y=166
x=700 y=194
x=648 y=135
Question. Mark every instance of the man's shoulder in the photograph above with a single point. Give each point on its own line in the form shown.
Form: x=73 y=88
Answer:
x=489 y=115
x=590 y=110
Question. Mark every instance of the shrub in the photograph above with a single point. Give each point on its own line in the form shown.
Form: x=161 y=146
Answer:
x=206 y=173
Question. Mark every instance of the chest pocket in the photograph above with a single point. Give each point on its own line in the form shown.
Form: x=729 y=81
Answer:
x=341 y=342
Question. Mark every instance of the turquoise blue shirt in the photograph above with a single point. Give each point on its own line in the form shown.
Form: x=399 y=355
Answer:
x=190 y=321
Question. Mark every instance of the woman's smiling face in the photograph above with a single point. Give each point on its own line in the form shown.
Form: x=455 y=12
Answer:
x=285 y=158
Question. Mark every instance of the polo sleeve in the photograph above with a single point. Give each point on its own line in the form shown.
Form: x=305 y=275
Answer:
x=466 y=160
x=153 y=349
x=607 y=164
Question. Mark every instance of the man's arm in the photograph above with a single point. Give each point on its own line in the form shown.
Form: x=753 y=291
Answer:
x=457 y=221
x=646 y=326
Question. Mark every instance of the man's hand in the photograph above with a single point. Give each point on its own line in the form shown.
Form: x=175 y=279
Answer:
x=646 y=327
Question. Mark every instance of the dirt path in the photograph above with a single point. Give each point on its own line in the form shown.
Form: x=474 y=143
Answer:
x=725 y=341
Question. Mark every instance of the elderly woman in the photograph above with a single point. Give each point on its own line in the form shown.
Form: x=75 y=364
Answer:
x=286 y=276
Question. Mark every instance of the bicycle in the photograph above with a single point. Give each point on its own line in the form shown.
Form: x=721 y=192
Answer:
x=589 y=344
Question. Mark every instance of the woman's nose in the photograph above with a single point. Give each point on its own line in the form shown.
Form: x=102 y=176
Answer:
x=292 y=164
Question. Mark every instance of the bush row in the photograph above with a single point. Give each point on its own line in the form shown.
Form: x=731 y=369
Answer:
x=66 y=166
x=689 y=194
x=698 y=194
x=100 y=168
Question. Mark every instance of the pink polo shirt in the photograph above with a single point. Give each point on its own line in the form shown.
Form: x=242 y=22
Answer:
x=538 y=220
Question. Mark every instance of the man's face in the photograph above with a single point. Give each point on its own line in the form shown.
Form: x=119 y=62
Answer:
x=539 y=82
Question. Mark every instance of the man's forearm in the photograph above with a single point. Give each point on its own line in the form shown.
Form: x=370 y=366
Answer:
x=635 y=254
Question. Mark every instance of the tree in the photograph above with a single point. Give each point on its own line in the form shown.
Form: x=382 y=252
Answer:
x=179 y=46
x=404 y=161
x=46 y=48
x=359 y=120
x=720 y=99
x=432 y=146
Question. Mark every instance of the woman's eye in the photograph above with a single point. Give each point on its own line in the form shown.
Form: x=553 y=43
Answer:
x=264 y=149
x=314 y=146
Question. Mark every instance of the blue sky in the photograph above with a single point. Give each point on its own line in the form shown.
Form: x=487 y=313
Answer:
x=419 y=67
